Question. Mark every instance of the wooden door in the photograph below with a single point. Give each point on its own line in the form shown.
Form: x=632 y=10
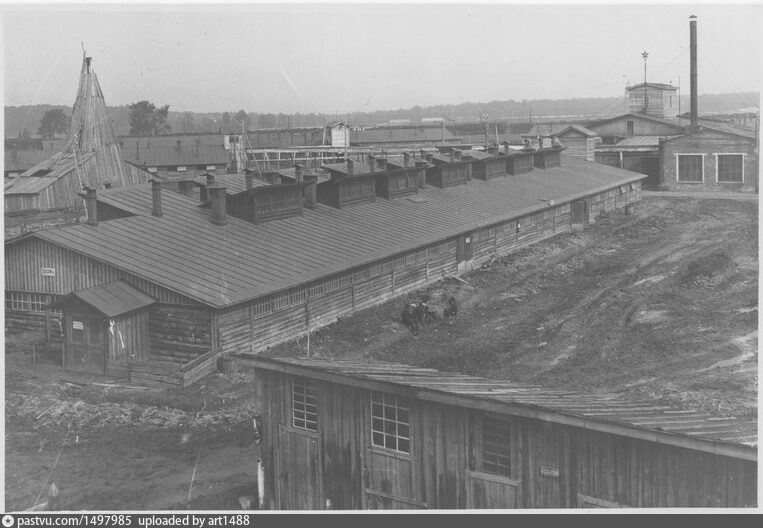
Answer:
x=298 y=470
x=464 y=253
x=579 y=212
x=485 y=491
x=87 y=346
x=389 y=482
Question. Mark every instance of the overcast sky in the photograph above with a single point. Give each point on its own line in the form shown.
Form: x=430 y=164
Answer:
x=345 y=58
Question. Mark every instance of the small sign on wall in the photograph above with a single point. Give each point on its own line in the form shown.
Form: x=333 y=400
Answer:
x=48 y=272
x=549 y=471
x=78 y=325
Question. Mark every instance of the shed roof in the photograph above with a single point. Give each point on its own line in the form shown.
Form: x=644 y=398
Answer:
x=660 y=86
x=234 y=183
x=605 y=412
x=150 y=155
x=641 y=141
x=292 y=174
x=112 y=299
x=224 y=265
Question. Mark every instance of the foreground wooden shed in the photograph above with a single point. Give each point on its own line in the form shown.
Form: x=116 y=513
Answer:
x=365 y=435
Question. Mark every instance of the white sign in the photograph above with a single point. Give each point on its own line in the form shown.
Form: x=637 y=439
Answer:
x=78 y=325
x=48 y=272
x=549 y=471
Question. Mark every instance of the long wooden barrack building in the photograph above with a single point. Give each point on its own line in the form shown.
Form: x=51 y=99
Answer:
x=227 y=281
x=340 y=434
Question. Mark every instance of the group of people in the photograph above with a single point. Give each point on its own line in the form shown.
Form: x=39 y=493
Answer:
x=416 y=315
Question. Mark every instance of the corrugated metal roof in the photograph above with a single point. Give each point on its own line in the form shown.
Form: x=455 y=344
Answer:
x=112 y=299
x=602 y=408
x=224 y=265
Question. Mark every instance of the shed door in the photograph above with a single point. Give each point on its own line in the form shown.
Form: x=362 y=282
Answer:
x=579 y=212
x=86 y=343
x=464 y=253
x=298 y=470
x=485 y=491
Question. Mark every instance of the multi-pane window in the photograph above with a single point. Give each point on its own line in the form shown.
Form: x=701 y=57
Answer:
x=730 y=168
x=496 y=447
x=304 y=404
x=28 y=302
x=390 y=422
x=690 y=168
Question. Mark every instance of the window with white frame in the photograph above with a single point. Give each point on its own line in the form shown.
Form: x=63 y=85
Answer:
x=496 y=447
x=390 y=422
x=304 y=404
x=690 y=168
x=29 y=302
x=730 y=168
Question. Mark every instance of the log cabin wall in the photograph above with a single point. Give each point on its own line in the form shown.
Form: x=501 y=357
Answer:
x=394 y=184
x=448 y=464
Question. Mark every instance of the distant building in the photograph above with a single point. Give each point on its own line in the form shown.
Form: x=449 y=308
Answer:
x=580 y=142
x=412 y=136
x=653 y=99
x=181 y=156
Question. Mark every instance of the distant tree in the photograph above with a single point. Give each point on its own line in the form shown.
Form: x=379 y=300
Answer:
x=53 y=122
x=267 y=121
x=24 y=133
x=242 y=117
x=226 y=122
x=187 y=122
x=146 y=119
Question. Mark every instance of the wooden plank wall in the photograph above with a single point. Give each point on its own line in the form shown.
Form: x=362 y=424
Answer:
x=554 y=464
x=128 y=340
x=179 y=332
x=24 y=260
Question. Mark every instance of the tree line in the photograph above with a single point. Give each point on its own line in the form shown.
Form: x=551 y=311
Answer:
x=146 y=118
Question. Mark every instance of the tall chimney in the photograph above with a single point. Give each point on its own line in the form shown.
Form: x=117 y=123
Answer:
x=298 y=173
x=350 y=168
x=693 y=55
x=452 y=155
x=406 y=159
x=156 y=195
x=372 y=162
x=91 y=206
x=249 y=177
x=382 y=164
x=217 y=195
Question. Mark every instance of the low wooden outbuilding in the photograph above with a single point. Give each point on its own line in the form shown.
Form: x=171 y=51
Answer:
x=341 y=434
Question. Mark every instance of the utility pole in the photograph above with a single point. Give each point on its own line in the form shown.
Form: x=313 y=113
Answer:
x=645 y=54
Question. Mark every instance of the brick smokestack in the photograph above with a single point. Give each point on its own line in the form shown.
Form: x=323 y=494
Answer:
x=204 y=191
x=350 y=168
x=156 y=197
x=693 y=72
x=91 y=206
x=298 y=173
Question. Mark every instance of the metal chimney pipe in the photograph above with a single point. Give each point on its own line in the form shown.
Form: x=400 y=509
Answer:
x=693 y=55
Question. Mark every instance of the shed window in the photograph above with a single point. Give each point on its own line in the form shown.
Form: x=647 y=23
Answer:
x=690 y=168
x=29 y=302
x=390 y=425
x=496 y=447
x=730 y=168
x=304 y=404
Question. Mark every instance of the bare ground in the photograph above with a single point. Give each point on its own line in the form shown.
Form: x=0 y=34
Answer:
x=661 y=304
